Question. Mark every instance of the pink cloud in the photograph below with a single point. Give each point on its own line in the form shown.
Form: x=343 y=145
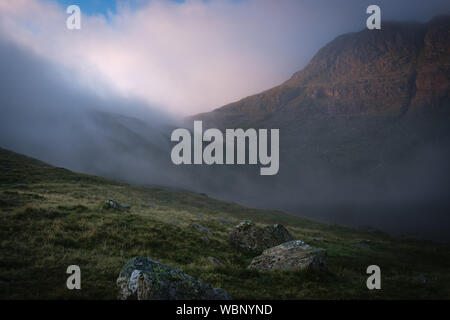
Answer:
x=185 y=58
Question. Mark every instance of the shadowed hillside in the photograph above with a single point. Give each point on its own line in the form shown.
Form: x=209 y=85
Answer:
x=51 y=218
x=364 y=134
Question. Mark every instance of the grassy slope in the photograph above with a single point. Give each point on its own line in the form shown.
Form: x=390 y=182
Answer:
x=51 y=218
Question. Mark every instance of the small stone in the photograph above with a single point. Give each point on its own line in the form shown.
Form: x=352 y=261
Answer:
x=363 y=244
x=421 y=278
x=224 y=221
x=111 y=204
x=216 y=263
x=199 y=227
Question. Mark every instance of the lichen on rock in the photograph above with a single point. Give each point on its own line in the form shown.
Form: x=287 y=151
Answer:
x=251 y=237
x=145 y=279
x=292 y=255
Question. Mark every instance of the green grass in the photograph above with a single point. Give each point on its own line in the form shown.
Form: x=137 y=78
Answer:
x=51 y=218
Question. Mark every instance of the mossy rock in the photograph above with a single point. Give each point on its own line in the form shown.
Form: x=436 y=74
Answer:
x=256 y=239
x=145 y=279
x=290 y=256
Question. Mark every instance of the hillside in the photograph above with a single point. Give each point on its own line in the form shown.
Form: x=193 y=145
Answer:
x=364 y=134
x=51 y=218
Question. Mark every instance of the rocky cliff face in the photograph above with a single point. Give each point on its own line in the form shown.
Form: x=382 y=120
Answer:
x=387 y=71
x=432 y=83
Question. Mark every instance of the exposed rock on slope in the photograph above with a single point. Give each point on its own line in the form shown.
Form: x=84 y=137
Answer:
x=111 y=204
x=293 y=255
x=145 y=279
x=432 y=84
x=247 y=235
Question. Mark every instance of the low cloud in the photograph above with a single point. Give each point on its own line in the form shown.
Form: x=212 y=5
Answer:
x=197 y=55
x=96 y=100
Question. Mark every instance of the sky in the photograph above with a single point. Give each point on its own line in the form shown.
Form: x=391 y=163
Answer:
x=191 y=56
x=104 y=7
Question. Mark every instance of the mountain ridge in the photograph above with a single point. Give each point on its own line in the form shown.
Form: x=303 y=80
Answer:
x=363 y=128
x=401 y=66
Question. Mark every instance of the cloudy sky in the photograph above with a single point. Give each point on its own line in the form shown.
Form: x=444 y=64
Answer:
x=190 y=56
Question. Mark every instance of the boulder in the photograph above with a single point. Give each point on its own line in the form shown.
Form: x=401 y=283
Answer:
x=247 y=235
x=292 y=255
x=111 y=204
x=145 y=279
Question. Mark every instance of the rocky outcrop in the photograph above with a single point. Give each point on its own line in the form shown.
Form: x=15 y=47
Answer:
x=293 y=255
x=432 y=84
x=251 y=237
x=145 y=279
x=111 y=204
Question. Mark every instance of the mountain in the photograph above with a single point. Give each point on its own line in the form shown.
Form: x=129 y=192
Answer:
x=395 y=70
x=51 y=218
x=364 y=134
